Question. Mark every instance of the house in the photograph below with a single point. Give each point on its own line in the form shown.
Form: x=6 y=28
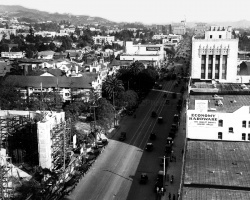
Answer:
x=12 y=55
x=46 y=55
x=74 y=54
x=65 y=85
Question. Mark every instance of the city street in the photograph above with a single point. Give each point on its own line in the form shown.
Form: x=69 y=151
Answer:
x=120 y=165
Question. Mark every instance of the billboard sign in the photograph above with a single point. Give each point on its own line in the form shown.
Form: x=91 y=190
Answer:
x=197 y=119
x=201 y=105
x=153 y=48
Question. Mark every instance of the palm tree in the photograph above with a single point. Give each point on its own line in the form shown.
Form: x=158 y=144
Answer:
x=112 y=86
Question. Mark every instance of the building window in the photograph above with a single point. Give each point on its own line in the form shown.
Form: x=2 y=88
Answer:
x=224 y=67
x=203 y=66
x=244 y=124
x=210 y=66
x=66 y=94
x=243 y=136
x=211 y=36
x=219 y=36
x=220 y=122
x=248 y=136
x=220 y=135
x=231 y=130
x=217 y=67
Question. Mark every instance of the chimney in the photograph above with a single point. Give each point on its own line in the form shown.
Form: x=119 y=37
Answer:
x=76 y=67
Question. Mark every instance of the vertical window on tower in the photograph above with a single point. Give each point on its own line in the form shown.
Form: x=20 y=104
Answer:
x=210 y=66
x=224 y=67
x=217 y=67
x=243 y=136
x=203 y=66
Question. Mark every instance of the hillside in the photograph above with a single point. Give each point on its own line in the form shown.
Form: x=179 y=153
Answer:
x=40 y=16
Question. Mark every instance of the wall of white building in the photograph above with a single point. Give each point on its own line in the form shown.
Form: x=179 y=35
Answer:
x=144 y=52
x=207 y=47
x=209 y=129
x=44 y=138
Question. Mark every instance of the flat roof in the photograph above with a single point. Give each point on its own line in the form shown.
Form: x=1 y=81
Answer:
x=217 y=164
x=231 y=103
x=190 y=193
x=221 y=87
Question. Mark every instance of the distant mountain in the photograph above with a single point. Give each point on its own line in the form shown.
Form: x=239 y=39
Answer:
x=234 y=24
x=41 y=16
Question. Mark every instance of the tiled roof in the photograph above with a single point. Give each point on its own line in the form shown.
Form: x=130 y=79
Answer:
x=55 y=72
x=217 y=163
x=120 y=62
x=191 y=193
x=51 y=81
x=231 y=103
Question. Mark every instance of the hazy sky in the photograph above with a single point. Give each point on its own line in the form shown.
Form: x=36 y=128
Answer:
x=145 y=11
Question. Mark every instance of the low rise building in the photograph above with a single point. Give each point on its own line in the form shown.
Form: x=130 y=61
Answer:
x=218 y=112
x=154 y=54
x=216 y=170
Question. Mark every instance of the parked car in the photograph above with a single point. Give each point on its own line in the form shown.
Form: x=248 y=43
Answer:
x=149 y=147
x=123 y=136
x=160 y=120
x=160 y=181
x=152 y=136
x=144 y=178
x=176 y=118
x=153 y=114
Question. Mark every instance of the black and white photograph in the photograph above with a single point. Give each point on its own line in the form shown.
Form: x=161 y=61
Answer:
x=124 y=100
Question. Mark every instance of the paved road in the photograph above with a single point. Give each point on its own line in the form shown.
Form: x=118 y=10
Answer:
x=114 y=171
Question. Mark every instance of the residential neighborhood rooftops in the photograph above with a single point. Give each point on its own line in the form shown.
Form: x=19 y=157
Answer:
x=213 y=164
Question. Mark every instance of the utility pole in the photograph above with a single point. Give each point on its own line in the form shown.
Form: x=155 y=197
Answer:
x=164 y=172
x=114 y=108
x=94 y=106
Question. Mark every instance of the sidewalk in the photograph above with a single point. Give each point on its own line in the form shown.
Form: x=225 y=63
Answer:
x=175 y=168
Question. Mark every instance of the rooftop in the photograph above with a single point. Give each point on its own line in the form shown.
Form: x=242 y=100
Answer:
x=227 y=104
x=51 y=81
x=220 y=88
x=218 y=164
x=190 y=193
